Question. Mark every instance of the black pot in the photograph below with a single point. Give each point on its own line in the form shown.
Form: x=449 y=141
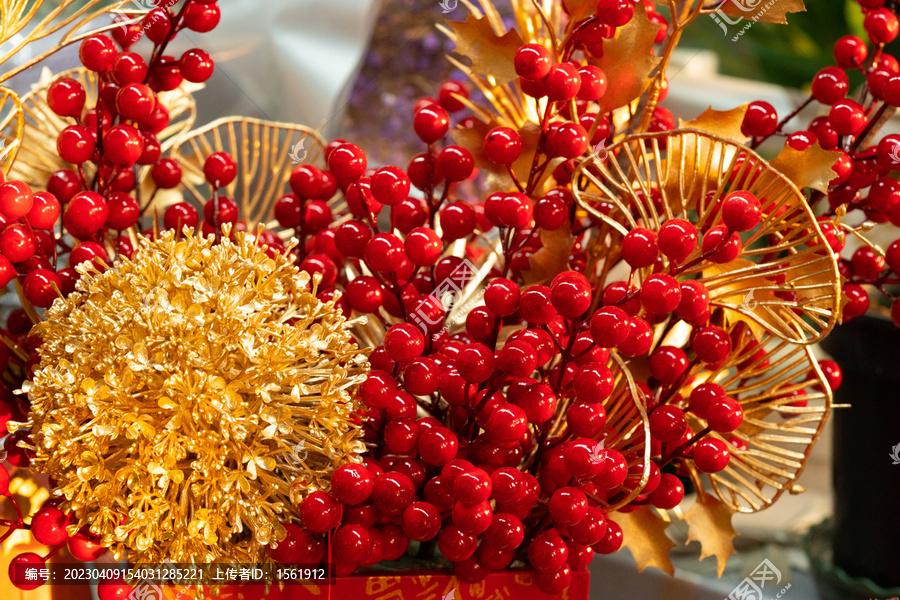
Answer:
x=866 y=482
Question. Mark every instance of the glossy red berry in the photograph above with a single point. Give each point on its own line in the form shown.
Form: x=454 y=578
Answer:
x=830 y=85
x=667 y=423
x=17 y=243
x=850 y=52
x=347 y=162
x=16 y=199
x=404 y=342
x=535 y=305
x=390 y=185
x=423 y=246
x=181 y=215
x=135 y=101
x=847 y=117
x=421 y=521
x=639 y=248
x=17 y=570
x=760 y=120
x=615 y=13
x=319 y=512
x=711 y=455
x=129 y=67
x=669 y=493
x=202 y=17
x=384 y=252
x=711 y=344
x=75 y=144
x=533 y=61
x=455 y=163
x=431 y=123
x=677 y=239
x=166 y=173
x=562 y=82
x=123 y=145
x=724 y=415
x=547 y=551
x=49 y=526
x=196 y=65
x=609 y=327
x=98 y=53
x=219 y=169
x=882 y=26
x=458 y=220
x=668 y=364
x=741 y=211
x=502 y=145
x=660 y=294
x=41 y=288
x=66 y=97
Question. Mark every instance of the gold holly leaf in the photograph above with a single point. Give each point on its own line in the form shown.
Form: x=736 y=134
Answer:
x=553 y=257
x=579 y=9
x=491 y=55
x=645 y=535
x=709 y=522
x=776 y=13
x=12 y=123
x=722 y=123
x=807 y=168
x=628 y=60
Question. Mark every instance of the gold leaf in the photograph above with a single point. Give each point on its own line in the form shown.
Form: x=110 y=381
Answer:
x=491 y=55
x=12 y=123
x=628 y=60
x=773 y=14
x=553 y=257
x=579 y=9
x=807 y=168
x=645 y=535
x=709 y=522
x=722 y=123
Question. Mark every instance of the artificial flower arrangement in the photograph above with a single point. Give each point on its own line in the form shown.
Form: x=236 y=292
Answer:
x=223 y=357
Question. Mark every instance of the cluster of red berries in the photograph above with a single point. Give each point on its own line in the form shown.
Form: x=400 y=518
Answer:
x=865 y=180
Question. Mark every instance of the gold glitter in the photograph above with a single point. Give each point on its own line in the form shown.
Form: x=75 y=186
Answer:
x=187 y=399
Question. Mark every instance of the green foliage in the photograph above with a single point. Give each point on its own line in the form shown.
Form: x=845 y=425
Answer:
x=787 y=55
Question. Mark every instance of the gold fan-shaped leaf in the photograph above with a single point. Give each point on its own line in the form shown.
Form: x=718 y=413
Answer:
x=786 y=403
x=12 y=124
x=38 y=157
x=69 y=16
x=265 y=152
x=786 y=280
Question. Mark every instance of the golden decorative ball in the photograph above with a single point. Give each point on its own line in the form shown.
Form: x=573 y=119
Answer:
x=187 y=398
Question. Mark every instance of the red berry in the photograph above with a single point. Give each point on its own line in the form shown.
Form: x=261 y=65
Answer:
x=97 y=53
x=669 y=493
x=741 y=211
x=135 y=101
x=850 y=52
x=668 y=364
x=352 y=484
x=547 y=551
x=352 y=543
x=882 y=26
x=570 y=294
x=347 y=162
x=847 y=117
x=423 y=246
x=201 y=17
x=319 y=512
x=724 y=415
x=502 y=145
x=384 y=252
x=568 y=506
x=390 y=185
x=41 y=288
x=44 y=211
x=18 y=567
x=421 y=521
x=533 y=61
x=49 y=526
x=219 y=169
x=677 y=239
x=639 y=248
x=449 y=95
x=615 y=13
x=857 y=305
x=660 y=294
x=760 y=120
x=123 y=145
x=65 y=96
x=711 y=455
x=593 y=83
x=404 y=342
x=129 y=67
x=455 y=163
x=667 y=423
x=431 y=123
x=196 y=65
x=535 y=305
x=181 y=215
x=16 y=199
x=562 y=82
x=17 y=243
x=711 y=344
x=830 y=85
x=75 y=144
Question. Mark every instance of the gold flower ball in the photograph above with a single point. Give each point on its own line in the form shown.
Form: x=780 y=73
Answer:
x=187 y=398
